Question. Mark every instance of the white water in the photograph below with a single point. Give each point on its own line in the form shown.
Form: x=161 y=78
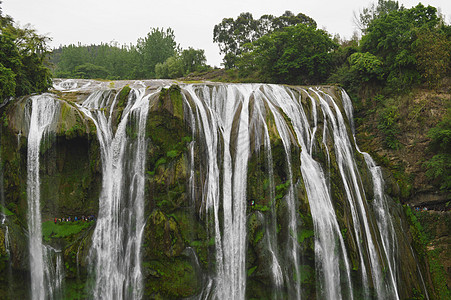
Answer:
x=7 y=243
x=382 y=211
x=46 y=277
x=116 y=249
x=275 y=99
x=219 y=111
x=216 y=117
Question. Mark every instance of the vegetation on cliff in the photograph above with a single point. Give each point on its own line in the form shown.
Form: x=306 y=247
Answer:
x=23 y=53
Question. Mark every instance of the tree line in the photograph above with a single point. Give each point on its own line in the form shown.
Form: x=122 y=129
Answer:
x=398 y=48
x=157 y=55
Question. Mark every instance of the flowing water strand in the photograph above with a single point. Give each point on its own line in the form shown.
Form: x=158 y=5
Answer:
x=277 y=98
x=44 y=111
x=218 y=108
x=328 y=239
x=271 y=224
x=326 y=227
x=208 y=131
x=351 y=179
x=385 y=224
x=189 y=115
x=54 y=270
x=382 y=212
x=115 y=252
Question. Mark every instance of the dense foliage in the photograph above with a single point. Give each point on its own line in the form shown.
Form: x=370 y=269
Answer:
x=299 y=54
x=155 y=56
x=232 y=35
x=399 y=48
x=22 y=60
x=393 y=39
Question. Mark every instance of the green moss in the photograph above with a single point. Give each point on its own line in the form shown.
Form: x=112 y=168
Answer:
x=171 y=278
x=5 y=210
x=251 y=271
x=63 y=229
x=122 y=97
x=439 y=275
x=305 y=234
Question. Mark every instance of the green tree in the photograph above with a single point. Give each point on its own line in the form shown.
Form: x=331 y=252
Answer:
x=156 y=47
x=432 y=50
x=171 y=68
x=7 y=83
x=439 y=166
x=193 y=60
x=89 y=70
x=23 y=55
x=374 y=11
x=298 y=54
x=366 y=66
x=390 y=38
x=232 y=35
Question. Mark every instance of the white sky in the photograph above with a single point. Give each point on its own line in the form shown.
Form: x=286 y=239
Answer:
x=124 y=21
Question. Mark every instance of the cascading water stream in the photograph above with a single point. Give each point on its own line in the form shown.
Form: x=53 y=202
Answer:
x=116 y=250
x=217 y=118
x=323 y=214
x=381 y=209
x=46 y=277
x=272 y=98
x=271 y=226
x=216 y=109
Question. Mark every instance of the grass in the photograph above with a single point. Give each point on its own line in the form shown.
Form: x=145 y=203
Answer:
x=62 y=230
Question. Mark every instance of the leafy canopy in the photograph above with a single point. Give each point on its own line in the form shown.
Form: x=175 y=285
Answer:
x=391 y=37
x=23 y=55
x=232 y=35
x=299 y=54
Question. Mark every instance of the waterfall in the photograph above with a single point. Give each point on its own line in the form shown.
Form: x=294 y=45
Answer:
x=380 y=207
x=46 y=277
x=329 y=244
x=226 y=105
x=274 y=182
x=116 y=249
x=222 y=113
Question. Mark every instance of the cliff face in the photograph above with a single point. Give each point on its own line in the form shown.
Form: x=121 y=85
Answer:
x=413 y=115
x=209 y=200
x=405 y=149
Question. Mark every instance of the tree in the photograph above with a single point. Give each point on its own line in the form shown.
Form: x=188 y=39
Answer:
x=439 y=166
x=171 y=68
x=189 y=60
x=23 y=55
x=156 y=47
x=89 y=70
x=193 y=60
x=366 y=66
x=298 y=54
x=232 y=35
x=391 y=37
x=368 y=14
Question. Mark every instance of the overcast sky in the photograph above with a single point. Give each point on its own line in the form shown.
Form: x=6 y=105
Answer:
x=124 y=21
